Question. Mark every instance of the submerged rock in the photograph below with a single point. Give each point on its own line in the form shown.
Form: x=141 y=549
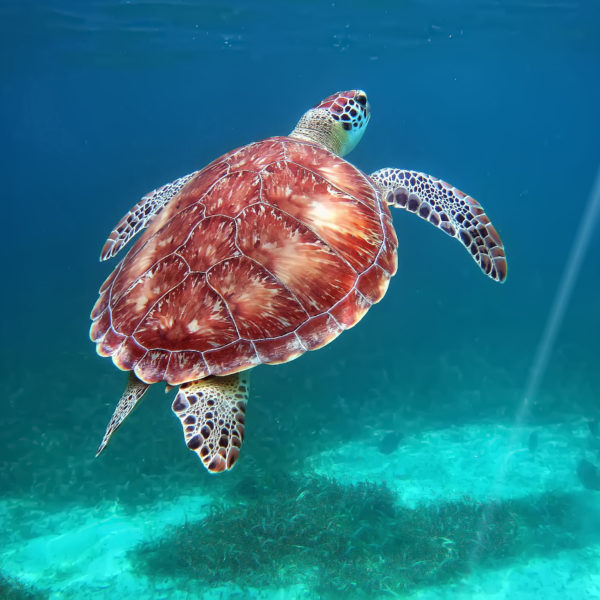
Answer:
x=588 y=474
x=594 y=443
x=533 y=442
x=390 y=442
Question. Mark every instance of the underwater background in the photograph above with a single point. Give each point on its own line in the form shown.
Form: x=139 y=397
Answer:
x=402 y=460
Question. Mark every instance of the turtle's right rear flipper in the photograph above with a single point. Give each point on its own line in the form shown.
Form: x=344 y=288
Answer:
x=212 y=414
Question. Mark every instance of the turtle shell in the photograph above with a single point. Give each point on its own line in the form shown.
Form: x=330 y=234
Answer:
x=271 y=250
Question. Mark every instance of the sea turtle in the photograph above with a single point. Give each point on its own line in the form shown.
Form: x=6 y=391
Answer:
x=271 y=250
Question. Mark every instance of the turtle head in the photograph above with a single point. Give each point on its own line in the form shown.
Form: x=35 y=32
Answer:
x=337 y=123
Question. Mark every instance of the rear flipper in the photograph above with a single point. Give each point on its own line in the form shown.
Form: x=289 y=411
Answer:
x=134 y=391
x=212 y=414
x=451 y=210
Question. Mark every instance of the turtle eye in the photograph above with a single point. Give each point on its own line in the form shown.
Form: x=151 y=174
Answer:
x=361 y=99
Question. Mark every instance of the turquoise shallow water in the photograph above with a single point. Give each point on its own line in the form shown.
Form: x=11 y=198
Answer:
x=409 y=428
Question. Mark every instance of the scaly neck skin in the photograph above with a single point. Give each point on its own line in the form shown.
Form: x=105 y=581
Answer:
x=319 y=127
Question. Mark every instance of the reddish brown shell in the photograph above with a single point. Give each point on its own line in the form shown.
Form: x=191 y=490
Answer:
x=272 y=250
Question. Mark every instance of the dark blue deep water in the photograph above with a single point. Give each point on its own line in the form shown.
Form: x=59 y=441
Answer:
x=402 y=459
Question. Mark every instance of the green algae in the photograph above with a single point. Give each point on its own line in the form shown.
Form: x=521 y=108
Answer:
x=336 y=539
x=11 y=589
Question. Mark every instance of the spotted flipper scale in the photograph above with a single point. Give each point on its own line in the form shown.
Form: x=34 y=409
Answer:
x=133 y=393
x=212 y=414
x=140 y=216
x=449 y=209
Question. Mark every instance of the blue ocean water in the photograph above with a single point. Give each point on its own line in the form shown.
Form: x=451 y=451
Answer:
x=410 y=428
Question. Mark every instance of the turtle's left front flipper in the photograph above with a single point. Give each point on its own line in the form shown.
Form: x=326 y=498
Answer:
x=140 y=216
x=212 y=414
x=451 y=210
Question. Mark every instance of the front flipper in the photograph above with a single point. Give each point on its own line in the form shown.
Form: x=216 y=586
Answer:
x=140 y=215
x=134 y=391
x=451 y=210
x=211 y=412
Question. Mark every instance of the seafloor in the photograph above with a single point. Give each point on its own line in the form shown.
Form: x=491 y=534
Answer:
x=385 y=498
